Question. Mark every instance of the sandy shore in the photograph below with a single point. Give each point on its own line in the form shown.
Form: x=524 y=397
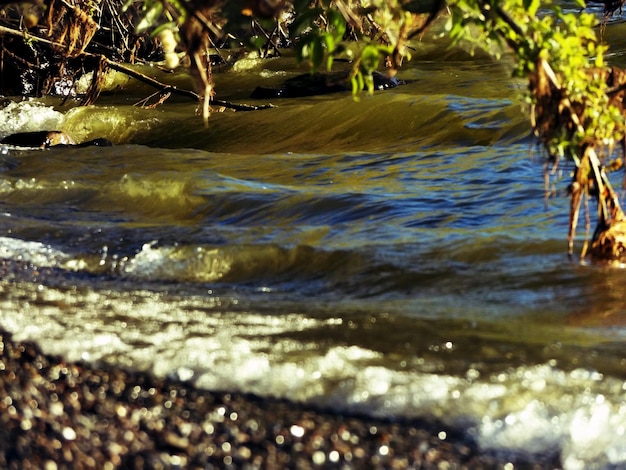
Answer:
x=56 y=415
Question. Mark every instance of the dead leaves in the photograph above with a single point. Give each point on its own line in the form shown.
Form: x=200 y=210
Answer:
x=70 y=27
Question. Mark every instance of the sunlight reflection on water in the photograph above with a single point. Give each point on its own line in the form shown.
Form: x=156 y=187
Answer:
x=390 y=257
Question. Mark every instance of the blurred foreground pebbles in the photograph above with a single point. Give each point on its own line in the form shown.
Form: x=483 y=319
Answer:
x=56 y=415
x=60 y=415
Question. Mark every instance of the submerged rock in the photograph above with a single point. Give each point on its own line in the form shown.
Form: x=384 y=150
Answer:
x=46 y=139
x=320 y=84
x=39 y=139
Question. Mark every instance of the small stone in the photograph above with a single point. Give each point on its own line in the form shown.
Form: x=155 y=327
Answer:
x=176 y=441
x=50 y=465
x=56 y=408
x=319 y=457
x=68 y=434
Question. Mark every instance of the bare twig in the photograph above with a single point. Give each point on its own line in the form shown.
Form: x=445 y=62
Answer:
x=29 y=36
x=164 y=88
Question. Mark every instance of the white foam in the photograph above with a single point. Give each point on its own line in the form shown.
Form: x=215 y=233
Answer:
x=579 y=414
x=534 y=409
x=596 y=437
x=28 y=116
x=178 y=263
x=532 y=429
x=35 y=253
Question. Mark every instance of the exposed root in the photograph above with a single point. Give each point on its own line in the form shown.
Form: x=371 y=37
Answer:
x=97 y=82
x=610 y=233
x=576 y=197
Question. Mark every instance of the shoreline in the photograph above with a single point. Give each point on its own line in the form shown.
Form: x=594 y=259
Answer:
x=55 y=414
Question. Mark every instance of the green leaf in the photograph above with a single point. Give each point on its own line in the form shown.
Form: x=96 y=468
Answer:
x=152 y=15
x=456 y=28
x=316 y=53
x=355 y=85
x=330 y=42
x=532 y=6
x=329 y=62
x=370 y=58
x=337 y=24
x=369 y=83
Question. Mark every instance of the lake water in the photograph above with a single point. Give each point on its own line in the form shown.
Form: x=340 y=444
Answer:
x=392 y=256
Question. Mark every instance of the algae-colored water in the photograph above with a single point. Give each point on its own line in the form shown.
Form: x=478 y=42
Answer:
x=392 y=255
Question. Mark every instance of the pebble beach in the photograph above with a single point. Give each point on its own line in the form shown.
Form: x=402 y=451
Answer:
x=57 y=415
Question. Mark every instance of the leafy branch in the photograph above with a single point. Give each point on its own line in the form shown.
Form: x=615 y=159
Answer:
x=576 y=101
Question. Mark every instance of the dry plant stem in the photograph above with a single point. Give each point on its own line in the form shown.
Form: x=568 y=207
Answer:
x=574 y=208
x=161 y=98
x=195 y=32
x=198 y=63
x=583 y=252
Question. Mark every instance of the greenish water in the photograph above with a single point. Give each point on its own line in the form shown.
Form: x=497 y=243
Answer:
x=392 y=256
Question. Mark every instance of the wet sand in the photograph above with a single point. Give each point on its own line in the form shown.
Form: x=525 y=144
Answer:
x=55 y=414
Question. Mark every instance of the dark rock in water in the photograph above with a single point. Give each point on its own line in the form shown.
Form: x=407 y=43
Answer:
x=45 y=139
x=39 y=139
x=100 y=142
x=320 y=84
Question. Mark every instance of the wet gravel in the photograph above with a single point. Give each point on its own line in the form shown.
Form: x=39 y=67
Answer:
x=55 y=414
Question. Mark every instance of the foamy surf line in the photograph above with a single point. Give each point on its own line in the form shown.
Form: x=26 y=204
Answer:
x=534 y=410
x=35 y=253
x=171 y=424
